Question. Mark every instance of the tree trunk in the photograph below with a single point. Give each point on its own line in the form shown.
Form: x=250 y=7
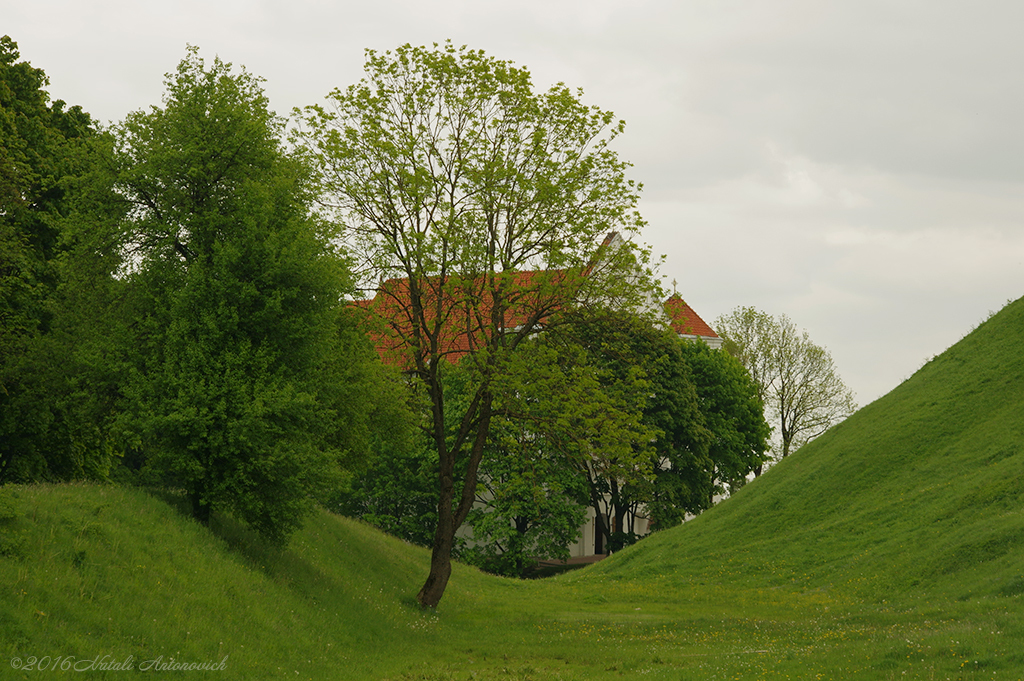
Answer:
x=619 y=522
x=448 y=518
x=601 y=533
x=444 y=536
x=440 y=569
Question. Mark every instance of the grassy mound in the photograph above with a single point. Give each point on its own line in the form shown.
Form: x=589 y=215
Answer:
x=98 y=571
x=891 y=547
x=910 y=511
x=923 y=490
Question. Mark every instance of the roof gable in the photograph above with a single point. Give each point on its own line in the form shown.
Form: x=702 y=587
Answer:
x=684 y=321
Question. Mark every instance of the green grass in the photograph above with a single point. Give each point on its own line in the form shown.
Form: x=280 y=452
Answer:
x=890 y=548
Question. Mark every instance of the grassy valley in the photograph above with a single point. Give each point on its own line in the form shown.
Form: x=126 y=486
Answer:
x=890 y=548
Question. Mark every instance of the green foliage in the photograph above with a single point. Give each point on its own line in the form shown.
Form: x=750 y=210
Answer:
x=732 y=413
x=450 y=177
x=239 y=372
x=459 y=143
x=396 y=492
x=683 y=467
x=393 y=485
x=532 y=496
x=532 y=503
x=578 y=400
x=701 y=414
x=610 y=412
x=43 y=148
x=639 y=402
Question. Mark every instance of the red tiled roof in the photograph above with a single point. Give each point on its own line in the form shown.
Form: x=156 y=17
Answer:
x=685 y=321
x=464 y=327
x=459 y=334
x=528 y=297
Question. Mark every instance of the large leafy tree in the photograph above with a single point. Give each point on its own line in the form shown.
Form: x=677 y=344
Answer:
x=240 y=377
x=564 y=426
x=683 y=463
x=733 y=414
x=43 y=147
x=666 y=473
x=802 y=392
x=531 y=501
x=701 y=411
x=451 y=177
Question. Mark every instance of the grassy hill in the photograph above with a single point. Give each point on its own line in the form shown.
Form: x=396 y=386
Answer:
x=922 y=489
x=910 y=515
x=892 y=547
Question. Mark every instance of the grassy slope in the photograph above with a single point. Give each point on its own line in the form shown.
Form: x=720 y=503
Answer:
x=923 y=488
x=910 y=514
x=892 y=547
x=115 y=571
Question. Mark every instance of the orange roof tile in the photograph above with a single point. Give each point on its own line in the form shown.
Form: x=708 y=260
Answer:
x=685 y=321
x=465 y=326
x=463 y=329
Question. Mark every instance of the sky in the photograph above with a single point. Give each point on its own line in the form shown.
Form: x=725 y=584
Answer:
x=855 y=165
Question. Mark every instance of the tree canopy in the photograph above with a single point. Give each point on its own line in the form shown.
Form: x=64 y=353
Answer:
x=701 y=414
x=452 y=178
x=43 y=146
x=802 y=392
x=241 y=369
x=731 y=407
x=569 y=434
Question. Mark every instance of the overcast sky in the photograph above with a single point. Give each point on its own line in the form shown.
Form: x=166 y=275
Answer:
x=856 y=165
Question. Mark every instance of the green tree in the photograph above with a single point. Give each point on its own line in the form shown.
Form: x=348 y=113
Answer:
x=665 y=475
x=701 y=410
x=531 y=501
x=393 y=484
x=733 y=415
x=683 y=463
x=396 y=491
x=557 y=425
x=240 y=377
x=43 y=146
x=797 y=380
x=451 y=177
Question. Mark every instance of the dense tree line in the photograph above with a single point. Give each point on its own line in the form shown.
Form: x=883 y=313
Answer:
x=44 y=434
x=609 y=413
x=173 y=309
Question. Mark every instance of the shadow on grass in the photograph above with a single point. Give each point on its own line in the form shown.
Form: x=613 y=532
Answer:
x=545 y=570
x=256 y=552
